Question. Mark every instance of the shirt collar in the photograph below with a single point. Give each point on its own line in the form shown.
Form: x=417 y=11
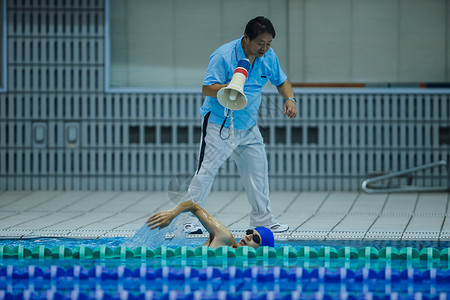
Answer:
x=239 y=50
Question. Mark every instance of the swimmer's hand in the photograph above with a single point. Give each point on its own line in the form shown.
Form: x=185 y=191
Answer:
x=161 y=219
x=164 y=218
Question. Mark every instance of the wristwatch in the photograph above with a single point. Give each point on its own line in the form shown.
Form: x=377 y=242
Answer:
x=291 y=98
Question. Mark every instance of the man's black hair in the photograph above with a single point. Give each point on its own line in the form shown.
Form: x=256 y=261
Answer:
x=258 y=26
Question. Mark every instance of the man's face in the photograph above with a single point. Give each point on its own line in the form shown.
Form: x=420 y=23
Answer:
x=251 y=239
x=259 y=45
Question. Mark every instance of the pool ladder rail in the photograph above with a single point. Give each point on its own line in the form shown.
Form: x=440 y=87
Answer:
x=374 y=185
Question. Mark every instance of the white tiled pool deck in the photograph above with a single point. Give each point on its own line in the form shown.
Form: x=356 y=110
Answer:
x=311 y=215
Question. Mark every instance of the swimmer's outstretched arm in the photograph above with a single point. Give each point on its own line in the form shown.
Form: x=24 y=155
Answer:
x=215 y=228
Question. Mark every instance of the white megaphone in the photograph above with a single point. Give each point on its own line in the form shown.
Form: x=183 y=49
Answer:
x=232 y=96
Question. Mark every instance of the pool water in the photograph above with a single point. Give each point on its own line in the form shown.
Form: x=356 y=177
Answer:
x=212 y=283
x=168 y=264
x=117 y=268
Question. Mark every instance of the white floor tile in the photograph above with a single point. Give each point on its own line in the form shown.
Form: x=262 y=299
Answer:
x=311 y=215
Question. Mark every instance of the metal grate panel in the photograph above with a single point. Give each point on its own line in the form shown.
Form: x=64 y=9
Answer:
x=60 y=131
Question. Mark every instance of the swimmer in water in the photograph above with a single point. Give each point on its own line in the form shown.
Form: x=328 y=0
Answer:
x=219 y=235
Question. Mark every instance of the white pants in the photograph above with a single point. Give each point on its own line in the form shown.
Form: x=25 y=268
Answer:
x=250 y=156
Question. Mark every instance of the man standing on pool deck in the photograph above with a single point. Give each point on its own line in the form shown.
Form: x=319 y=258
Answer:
x=245 y=144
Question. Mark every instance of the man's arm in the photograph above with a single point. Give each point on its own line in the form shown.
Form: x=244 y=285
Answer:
x=285 y=90
x=211 y=90
x=212 y=225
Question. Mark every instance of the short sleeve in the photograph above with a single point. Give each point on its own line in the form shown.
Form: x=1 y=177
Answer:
x=278 y=76
x=216 y=71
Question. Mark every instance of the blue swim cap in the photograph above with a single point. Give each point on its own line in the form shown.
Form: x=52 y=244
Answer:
x=266 y=236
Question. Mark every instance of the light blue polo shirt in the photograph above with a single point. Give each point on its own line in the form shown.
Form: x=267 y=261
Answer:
x=220 y=70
